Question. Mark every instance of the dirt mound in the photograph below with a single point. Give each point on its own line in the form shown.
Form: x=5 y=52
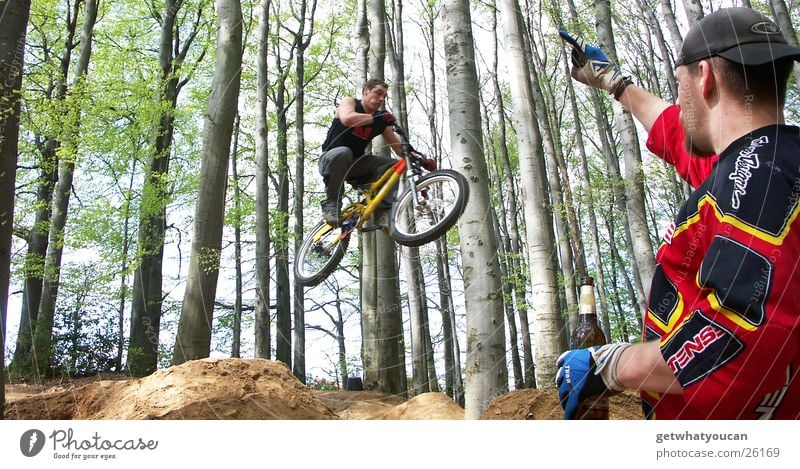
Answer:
x=542 y=404
x=200 y=389
x=427 y=406
x=359 y=405
x=259 y=389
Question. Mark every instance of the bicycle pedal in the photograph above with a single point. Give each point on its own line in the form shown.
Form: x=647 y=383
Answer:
x=372 y=228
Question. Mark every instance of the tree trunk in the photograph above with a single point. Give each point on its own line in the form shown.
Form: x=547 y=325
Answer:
x=123 y=288
x=784 y=20
x=303 y=40
x=633 y=181
x=43 y=335
x=194 y=329
x=667 y=15
x=283 y=321
x=486 y=361
x=416 y=299
x=588 y=190
x=12 y=57
x=549 y=337
x=421 y=346
x=694 y=10
x=515 y=265
x=48 y=146
x=452 y=355
x=148 y=276
x=237 y=242
x=560 y=223
x=618 y=258
x=262 y=317
x=382 y=321
x=666 y=58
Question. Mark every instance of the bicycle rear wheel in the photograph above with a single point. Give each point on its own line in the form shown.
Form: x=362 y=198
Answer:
x=441 y=197
x=320 y=254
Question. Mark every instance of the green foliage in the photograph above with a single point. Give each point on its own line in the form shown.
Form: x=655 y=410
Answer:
x=208 y=259
x=85 y=332
x=280 y=236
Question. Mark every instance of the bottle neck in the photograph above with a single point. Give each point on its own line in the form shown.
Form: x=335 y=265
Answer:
x=590 y=318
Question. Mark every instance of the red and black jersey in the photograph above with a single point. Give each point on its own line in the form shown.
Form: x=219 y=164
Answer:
x=355 y=138
x=666 y=141
x=724 y=302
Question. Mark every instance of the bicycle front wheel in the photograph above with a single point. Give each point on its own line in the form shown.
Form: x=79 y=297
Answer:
x=420 y=217
x=320 y=254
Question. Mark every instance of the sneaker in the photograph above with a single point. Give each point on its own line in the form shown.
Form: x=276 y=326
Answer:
x=330 y=213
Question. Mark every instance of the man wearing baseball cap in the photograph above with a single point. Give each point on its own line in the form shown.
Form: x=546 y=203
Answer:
x=722 y=328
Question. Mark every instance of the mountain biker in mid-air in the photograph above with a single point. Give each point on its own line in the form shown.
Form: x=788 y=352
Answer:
x=355 y=123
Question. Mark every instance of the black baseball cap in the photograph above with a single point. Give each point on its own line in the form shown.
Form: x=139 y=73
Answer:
x=738 y=34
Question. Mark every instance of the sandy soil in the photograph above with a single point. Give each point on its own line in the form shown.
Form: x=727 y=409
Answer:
x=259 y=389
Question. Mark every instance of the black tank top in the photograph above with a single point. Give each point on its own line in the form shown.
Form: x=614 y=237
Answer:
x=355 y=138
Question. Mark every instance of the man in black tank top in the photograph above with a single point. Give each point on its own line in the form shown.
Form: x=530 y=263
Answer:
x=355 y=124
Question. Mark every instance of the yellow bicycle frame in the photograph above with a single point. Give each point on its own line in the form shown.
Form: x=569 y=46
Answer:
x=377 y=191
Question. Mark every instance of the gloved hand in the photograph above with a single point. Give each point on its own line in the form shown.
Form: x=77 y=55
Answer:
x=587 y=372
x=385 y=116
x=590 y=66
x=429 y=164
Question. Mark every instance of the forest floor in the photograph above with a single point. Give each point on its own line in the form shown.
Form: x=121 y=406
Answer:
x=257 y=389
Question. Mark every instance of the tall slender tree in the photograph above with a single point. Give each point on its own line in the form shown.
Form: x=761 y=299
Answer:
x=236 y=344
x=148 y=275
x=43 y=334
x=280 y=227
x=694 y=10
x=13 y=22
x=636 y=224
x=547 y=323
x=262 y=316
x=194 y=330
x=37 y=237
x=784 y=20
x=304 y=16
x=487 y=375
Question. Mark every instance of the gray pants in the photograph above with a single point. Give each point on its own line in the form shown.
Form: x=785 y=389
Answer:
x=338 y=165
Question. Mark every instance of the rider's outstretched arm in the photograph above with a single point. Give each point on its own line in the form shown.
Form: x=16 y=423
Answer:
x=645 y=106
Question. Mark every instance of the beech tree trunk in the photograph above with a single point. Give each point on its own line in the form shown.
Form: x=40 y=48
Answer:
x=197 y=313
x=38 y=237
x=43 y=334
x=148 y=276
x=262 y=317
x=486 y=361
x=12 y=59
x=548 y=324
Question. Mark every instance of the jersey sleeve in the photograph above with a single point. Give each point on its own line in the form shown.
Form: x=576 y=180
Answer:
x=665 y=140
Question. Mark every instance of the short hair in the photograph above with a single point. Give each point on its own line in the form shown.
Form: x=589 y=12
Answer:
x=765 y=83
x=373 y=82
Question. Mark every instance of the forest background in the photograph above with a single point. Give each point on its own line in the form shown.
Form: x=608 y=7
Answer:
x=166 y=172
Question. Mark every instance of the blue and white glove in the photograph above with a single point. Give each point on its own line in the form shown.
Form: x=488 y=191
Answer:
x=590 y=66
x=587 y=372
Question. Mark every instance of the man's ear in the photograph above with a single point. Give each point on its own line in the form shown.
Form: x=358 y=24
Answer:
x=708 y=80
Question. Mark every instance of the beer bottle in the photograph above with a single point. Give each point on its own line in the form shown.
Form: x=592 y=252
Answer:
x=588 y=334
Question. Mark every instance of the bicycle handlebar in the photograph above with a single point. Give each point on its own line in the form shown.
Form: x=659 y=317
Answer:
x=408 y=150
